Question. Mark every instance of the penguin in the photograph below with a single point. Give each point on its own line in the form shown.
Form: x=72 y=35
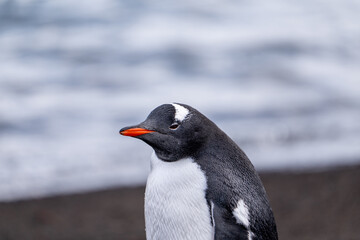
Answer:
x=201 y=186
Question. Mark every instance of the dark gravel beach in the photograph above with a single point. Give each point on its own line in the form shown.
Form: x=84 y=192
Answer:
x=308 y=205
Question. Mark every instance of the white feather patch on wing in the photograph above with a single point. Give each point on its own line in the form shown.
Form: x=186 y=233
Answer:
x=241 y=214
x=180 y=112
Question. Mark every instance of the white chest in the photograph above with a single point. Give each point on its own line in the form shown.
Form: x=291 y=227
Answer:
x=175 y=204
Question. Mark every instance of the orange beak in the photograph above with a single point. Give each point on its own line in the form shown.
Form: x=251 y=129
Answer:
x=133 y=132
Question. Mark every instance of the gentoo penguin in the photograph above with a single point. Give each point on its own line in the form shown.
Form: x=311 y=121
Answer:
x=201 y=186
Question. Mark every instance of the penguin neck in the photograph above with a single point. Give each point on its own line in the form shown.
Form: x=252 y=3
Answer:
x=219 y=139
x=217 y=145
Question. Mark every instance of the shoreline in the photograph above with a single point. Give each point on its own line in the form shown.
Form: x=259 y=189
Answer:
x=307 y=205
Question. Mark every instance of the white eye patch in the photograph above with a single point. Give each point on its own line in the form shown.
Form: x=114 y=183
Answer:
x=180 y=112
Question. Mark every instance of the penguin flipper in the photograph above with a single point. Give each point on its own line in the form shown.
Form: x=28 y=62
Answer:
x=225 y=225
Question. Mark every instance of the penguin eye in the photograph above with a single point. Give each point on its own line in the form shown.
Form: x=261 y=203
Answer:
x=174 y=126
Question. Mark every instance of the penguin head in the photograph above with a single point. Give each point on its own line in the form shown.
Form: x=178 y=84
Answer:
x=174 y=131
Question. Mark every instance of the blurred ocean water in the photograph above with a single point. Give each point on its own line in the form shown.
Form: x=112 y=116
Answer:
x=282 y=78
